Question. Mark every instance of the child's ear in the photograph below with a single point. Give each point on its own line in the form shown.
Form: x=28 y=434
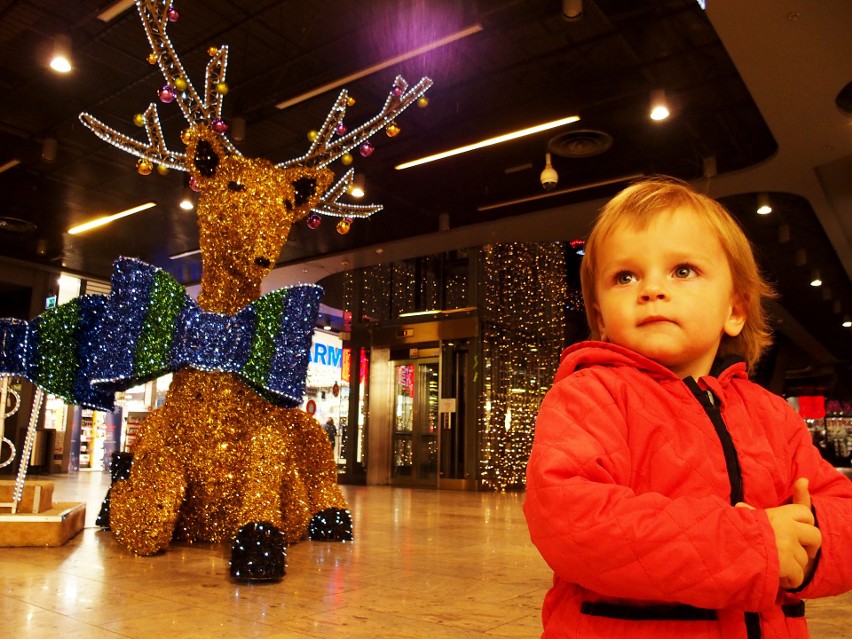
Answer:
x=736 y=317
x=599 y=323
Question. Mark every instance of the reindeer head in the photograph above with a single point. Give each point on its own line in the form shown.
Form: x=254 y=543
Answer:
x=247 y=206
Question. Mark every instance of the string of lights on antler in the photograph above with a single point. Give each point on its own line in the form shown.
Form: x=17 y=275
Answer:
x=333 y=140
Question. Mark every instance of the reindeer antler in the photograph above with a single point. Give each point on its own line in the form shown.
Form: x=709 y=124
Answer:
x=156 y=14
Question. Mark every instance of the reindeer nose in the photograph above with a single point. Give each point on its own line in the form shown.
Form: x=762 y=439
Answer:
x=262 y=261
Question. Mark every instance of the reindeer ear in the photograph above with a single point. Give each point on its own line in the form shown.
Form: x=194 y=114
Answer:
x=204 y=152
x=309 y=185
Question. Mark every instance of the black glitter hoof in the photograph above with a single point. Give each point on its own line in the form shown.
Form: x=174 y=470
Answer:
x=119 y=470
x=331 y=524
x=258 y=553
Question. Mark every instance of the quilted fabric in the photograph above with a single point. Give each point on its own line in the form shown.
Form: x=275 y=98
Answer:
x=628 y=500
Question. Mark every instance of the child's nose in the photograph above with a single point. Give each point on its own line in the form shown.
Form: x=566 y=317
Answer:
x=653 y=291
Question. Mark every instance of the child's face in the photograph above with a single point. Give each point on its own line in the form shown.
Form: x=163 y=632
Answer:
x=666 y=292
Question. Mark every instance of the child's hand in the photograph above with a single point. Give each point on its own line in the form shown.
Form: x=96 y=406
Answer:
x=796 y=537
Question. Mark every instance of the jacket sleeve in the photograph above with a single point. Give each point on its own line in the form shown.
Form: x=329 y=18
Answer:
x=831 y=497
x=594 y=531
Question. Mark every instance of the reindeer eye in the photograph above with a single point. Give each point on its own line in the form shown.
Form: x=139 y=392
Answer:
x=236 y=186
x=205 y=158
x=304 y=188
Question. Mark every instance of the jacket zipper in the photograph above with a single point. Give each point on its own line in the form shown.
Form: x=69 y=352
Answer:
x=732 y=465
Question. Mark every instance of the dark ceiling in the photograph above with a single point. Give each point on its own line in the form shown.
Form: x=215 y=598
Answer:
x=525 y=66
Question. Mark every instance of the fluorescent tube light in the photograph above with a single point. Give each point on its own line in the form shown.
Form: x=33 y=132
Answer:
x=106 y=219
x=9 y=165
x=115 y=9
x=458 y=35
x=490 y=142
x=178 y=256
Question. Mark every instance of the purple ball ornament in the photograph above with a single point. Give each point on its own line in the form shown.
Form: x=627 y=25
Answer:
x=340 y=129
x=314 y=220
x=219 y=125
x=167 y=94
x=173 y=14
x=366 y=149
x=397 y=91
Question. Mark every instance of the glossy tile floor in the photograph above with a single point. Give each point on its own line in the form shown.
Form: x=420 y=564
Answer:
x=442 y=565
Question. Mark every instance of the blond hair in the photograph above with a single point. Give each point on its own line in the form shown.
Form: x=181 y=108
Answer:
x=642 y=202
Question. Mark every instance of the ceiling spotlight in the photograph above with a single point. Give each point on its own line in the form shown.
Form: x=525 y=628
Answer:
x=847 y=322
x=60 y=61
x=659 y=105
x=816 y=280
x=763 y=205
x=186 y=202
x=356 y=188
x=572 y=10
x=549 y=177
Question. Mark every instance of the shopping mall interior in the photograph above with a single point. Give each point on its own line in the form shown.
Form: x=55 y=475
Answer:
x=475 y=143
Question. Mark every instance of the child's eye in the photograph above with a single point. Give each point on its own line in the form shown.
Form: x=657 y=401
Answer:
x=624 y=277
x=684 y=271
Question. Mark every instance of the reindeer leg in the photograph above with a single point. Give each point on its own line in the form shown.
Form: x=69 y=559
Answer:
x=144 y=507
x=331 y=520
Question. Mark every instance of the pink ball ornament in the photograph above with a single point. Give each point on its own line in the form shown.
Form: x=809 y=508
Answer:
x=340 y=129
x=366 y=149
x=314 y=220
x=397 y=91
x=173 y=14
x=166 y=94
x=194 y=185
x=219 y=125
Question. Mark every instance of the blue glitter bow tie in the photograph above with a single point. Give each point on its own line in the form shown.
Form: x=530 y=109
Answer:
x=86 y=350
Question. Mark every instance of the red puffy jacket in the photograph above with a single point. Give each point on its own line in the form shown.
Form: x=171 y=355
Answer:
x=630 y=487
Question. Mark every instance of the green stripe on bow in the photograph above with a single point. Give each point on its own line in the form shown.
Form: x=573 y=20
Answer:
x=155 y=342
x=269 y=309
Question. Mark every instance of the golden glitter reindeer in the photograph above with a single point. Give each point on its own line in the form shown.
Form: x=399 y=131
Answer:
x=219 y=460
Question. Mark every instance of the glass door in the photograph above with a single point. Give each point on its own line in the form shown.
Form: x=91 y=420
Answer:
x=414 y=449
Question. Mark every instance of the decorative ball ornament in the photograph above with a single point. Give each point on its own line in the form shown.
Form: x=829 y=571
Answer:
x=139 y=119
x=392 y=130
x=346 y=159
x=397 y=91
x=193 y=184
x=344 y=225
x=173 y=14
x=152 y=58
x=366 y=149
x=222 y=88
x=162 y=169
x=312 y=135
x=144 y=167
x=350 y=101
x=167 y=94
x=186 y=136
x=219 y=125
x=211 y=51
x=180 y=84
x=340 y=129
x=314 y=220
x=422 y=101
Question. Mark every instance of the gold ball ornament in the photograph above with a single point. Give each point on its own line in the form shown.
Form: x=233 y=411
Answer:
x=139 y=119
x=346 y=158
x=186 y=136
x=392 y=130
x=180 y=84
x=162 y=169
x=343 y=226
x=144 y=167
x=422 y=101
x=350 y=101
x=211 y=51
x=222 y=88
x=312 y=135
x=152 y=58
